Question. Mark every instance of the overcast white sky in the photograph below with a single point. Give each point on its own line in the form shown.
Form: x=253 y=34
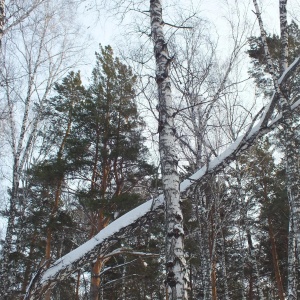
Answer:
x=108 y=31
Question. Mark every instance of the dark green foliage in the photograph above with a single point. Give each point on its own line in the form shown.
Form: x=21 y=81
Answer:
x=94 y=158
x=265 y=186
x=259 y=70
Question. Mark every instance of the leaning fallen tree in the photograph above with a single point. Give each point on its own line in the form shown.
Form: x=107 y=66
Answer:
x=45 y=279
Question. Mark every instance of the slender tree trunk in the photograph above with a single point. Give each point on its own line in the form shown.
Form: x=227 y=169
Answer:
x=99 y=220
x=28 y=267
x=250 y=294
x=214 y=280
x=2 y=20
x=253 y=262
x=175 y=261
x=77 y=285
x=292 y=279
x=204 y=242
x=273 y=246
x=290 y=145
x=292 y=181
x=284 y=35
x=275 y=261
x=7 y=277
x=224 y=271
x=292 y=164
x=212 y=243
x=95 y=282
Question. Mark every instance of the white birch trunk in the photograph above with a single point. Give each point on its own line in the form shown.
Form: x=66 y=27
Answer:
x=204 y=242
x=284 y=36
x=290 y=143
x=7 y=282
x=292 y=169
x=292 y=280
x=2 y=18
x=175 y=262
x=251 y=258
x=39 y=60
x=253 y=263
x=224 y=270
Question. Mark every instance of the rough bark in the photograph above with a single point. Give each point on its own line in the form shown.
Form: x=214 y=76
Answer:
x=292 y=168
x=224 y=269
x=291 y=280
x=2 y=18
x=175 y=262
x=283 y=35
x=273 y=246
x=275 y=261
x=289 y=141
x=205 y=242
x=253 y=264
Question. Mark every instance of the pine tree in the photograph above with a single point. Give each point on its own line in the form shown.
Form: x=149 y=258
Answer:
x=266 y=185
x=115 y=156
x=259 y=69
x=46 y=223
x=286 y=95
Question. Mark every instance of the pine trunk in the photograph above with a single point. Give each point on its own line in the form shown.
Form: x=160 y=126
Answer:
x=99 y=220
x=175 y=261
x=95 y=282
x=275 y=261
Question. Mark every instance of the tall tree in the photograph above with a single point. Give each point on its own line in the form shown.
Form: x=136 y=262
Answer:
x=175 y=261
x=33 y=57
x=290 y=139
x=2 y=18
x=109 y=122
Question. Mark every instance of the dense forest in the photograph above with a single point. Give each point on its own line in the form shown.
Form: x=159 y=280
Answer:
x=165 y=170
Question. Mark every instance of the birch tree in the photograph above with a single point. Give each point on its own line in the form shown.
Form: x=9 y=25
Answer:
x=14 y=12
x=2 y=16
x=34 y=56
x=175 y=261
x=289 y=140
